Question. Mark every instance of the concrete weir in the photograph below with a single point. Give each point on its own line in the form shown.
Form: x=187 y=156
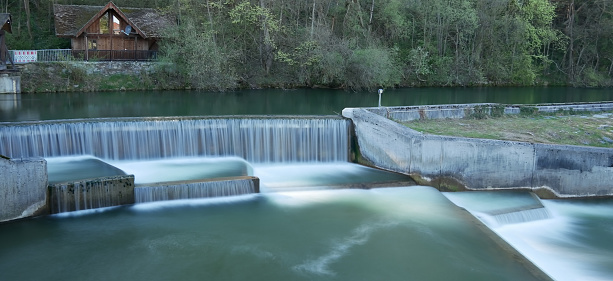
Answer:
x=205 y=188
x=91 y=193
x=457 y=163
x=23 y=188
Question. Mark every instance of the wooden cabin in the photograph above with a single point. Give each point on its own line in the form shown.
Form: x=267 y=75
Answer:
x=110 y=33
x=5 y=21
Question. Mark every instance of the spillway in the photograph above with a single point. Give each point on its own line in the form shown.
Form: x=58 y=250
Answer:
x=256 y=139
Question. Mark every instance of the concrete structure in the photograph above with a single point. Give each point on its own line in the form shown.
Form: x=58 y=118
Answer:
x=455 y=163
x=457 y=111
x=91 y=193
x=203 y=188
x=23 y=188
x=10 y=84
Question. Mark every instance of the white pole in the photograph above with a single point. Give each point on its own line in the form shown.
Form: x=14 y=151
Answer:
x=380 y=92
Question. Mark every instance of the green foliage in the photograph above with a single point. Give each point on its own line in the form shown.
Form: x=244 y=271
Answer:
x=199 y=60
x=225 y=44
x=497 y=110
x=528 y=110
x=371 y=68
x=485 y=111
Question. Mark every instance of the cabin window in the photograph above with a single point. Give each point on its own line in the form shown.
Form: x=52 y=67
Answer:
x=116 y=25
x=92 y=45
x=104 y=24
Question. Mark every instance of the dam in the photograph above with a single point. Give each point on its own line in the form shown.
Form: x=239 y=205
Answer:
x=323 y=231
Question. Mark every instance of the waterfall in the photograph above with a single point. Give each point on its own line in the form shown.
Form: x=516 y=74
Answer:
x=256 y=139
x=191 y=190
x=503 y=217
x=91 y=193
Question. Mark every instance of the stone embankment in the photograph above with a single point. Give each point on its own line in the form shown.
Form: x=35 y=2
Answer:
x=456 y=163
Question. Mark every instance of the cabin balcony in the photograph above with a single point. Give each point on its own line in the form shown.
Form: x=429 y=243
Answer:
x=114 y=55
x=26 y=56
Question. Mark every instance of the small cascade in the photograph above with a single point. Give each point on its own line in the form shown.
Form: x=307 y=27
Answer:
x=504 y=217
x=256 y=139
x=497 y=208
x=91 y=194
x=191 y=190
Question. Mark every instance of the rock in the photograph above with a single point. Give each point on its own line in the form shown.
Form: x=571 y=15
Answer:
x=607 y=139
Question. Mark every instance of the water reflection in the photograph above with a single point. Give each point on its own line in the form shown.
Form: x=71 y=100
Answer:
x=51 y=106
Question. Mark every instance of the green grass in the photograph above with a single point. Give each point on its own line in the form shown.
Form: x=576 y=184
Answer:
x=588 y=129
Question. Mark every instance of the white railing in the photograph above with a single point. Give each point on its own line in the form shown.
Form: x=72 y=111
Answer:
x=27 y=56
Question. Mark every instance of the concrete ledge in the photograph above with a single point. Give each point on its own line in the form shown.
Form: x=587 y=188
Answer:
x=91 y=193
x=219 y=187
x=455 y=163
x=23 y=188
x=458 y=111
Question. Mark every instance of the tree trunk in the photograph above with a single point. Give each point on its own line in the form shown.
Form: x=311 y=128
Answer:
x=571 y=23
x=265 y=45
x=372 y=9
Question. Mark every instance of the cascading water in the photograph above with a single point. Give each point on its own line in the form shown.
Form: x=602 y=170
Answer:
x=190 y=190
x=522 y=215
x=258 y=140
x=130 y=142
x=567 y=239
x=502 y=207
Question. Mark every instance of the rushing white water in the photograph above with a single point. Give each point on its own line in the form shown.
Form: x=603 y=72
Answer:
x=568 y=239
x=258 y=140
x=521 y=216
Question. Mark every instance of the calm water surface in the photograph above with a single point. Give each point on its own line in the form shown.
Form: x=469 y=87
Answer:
x=263 y=102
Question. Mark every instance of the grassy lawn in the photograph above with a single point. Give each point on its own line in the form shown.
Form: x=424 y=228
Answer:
x=588 y=129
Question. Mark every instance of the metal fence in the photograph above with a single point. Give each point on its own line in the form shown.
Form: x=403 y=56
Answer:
x=50 y=55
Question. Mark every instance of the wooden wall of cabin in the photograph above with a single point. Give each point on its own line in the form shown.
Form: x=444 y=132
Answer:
x=106 y=42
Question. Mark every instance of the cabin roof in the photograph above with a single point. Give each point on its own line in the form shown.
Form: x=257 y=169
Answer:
x=5 y=21
x=73 y=20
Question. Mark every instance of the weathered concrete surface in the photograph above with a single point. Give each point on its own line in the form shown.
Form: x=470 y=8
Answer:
x=23 y=188
x=455 y=163
x=10 y=84
x=409 y=113
x=91 y=193
x=458 y=111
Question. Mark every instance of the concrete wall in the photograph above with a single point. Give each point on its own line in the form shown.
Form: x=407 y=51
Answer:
x=91 y=193
x=23 y=188
x=454 y=163
x=10 y=84
x=457 y=111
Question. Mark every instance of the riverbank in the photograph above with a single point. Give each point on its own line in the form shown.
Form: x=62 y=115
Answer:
x=97 y=77
x=564 y=127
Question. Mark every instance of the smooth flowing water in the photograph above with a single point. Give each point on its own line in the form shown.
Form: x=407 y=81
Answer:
x=265 y=102
x=568 y=239
x=256 y=139
x=410 y=233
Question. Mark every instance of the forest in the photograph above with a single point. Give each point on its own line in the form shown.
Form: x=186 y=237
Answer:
x=363 y=44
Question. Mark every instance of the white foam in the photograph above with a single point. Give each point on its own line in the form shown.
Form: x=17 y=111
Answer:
x=341 y=247
x=158 y=205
